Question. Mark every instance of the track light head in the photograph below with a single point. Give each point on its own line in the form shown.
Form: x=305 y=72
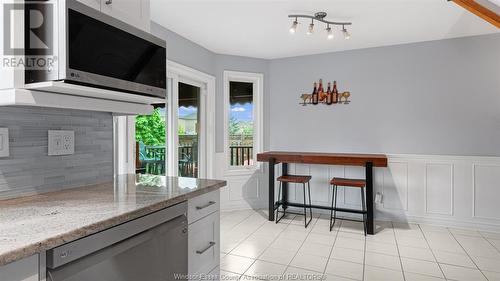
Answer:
x=347 y=35
x=310 y=30
x=329 y=33
x=293 y=28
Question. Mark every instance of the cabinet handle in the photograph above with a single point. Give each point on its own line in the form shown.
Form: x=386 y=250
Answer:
x=210 y=245
x=109 y=2
x=210 y=203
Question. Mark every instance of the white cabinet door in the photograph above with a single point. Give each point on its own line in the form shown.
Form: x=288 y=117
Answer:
x=133 y=12
x=204 y=245
x=96 y=4
x=22 y=270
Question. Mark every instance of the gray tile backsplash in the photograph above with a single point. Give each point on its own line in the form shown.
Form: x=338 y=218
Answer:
x=28 y=170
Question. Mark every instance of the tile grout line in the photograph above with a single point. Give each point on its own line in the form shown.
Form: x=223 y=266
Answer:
x=432 y=251
x=399 y=253
x=308 y=233
x=277 y=236
x=498 y=250
x=474 y=262
x=256 y=258
x=485 y=238
x=241 y=274
x=333 y=245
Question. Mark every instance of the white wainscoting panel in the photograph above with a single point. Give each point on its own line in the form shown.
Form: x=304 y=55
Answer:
x=243 y=190
x=439 y=188
x=458 y=191
x=486 y=191
x=395 y=186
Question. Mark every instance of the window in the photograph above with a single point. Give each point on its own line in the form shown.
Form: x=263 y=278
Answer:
x=243 y=128
x=188 y=124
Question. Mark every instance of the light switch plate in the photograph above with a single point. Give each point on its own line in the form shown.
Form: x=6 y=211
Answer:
x=61 y=142
x=4 y=142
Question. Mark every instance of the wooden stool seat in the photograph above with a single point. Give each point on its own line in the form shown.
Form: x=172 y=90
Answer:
x=304 y=181
x=345 y=182
x=294 y=179
x=348 y=182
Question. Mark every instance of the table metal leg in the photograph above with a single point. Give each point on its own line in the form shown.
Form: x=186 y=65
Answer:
x=369 y=198
x=284 y=171
x=272 y=162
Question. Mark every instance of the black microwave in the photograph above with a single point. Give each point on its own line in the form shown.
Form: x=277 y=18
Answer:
x=90 y=48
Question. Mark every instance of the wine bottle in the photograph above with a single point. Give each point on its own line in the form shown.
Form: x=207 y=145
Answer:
x=321 y=91
x=314 y=97
x=335 y=93
x=329 y=96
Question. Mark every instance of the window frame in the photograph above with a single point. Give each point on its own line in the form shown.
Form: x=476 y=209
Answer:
x=257 y=79
x=206 y=157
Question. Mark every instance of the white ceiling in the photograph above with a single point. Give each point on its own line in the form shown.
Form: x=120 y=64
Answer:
x=259 y=28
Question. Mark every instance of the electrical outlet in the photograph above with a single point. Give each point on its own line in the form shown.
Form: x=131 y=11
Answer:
x=61 y=142
x=378 y=198
x=4 y=142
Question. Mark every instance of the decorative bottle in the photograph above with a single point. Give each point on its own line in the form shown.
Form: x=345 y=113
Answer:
x=335 y=93
x=329 y=95
x=314 y=97
x=321 y=91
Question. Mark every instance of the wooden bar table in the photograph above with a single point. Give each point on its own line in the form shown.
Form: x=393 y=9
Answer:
x=366 y=160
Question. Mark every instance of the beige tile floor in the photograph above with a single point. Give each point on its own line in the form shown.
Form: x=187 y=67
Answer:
x=253 y=248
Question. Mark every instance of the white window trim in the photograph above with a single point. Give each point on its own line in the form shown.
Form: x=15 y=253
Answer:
x=258 y=139
x=181 y=73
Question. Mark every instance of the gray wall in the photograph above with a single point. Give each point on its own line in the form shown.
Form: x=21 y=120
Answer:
x=29 y=170
x=440 y=97
x=245 y=64
x=183 y=51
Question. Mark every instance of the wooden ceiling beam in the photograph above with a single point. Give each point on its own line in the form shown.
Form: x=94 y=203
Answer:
x=480 y=10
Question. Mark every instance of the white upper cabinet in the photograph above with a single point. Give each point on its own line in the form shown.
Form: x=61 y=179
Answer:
x=96 y=4
x=133 y=12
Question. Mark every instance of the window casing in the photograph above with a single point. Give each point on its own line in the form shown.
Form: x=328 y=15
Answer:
x=243 y=129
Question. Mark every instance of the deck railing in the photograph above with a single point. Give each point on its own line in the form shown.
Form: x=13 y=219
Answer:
x=241 y=155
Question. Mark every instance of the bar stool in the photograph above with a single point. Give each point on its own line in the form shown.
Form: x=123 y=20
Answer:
x=298 y=180
x=358 y=183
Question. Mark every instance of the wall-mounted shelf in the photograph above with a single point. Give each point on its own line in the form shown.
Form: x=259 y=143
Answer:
x=25 y=97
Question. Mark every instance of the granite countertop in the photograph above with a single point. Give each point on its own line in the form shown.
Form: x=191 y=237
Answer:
x=29 y=225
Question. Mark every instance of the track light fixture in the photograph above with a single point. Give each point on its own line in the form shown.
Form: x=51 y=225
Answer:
x=320 y=16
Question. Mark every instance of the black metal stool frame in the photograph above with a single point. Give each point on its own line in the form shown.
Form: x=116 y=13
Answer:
x=333 y=212
x=306 y=222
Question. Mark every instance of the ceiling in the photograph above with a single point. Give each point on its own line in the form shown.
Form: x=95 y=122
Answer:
x=259 y=28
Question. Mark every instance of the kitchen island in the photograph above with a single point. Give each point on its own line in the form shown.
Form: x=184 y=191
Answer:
x=35 y=224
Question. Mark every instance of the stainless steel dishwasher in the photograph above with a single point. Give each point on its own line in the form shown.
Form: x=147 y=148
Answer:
x=150 y=248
